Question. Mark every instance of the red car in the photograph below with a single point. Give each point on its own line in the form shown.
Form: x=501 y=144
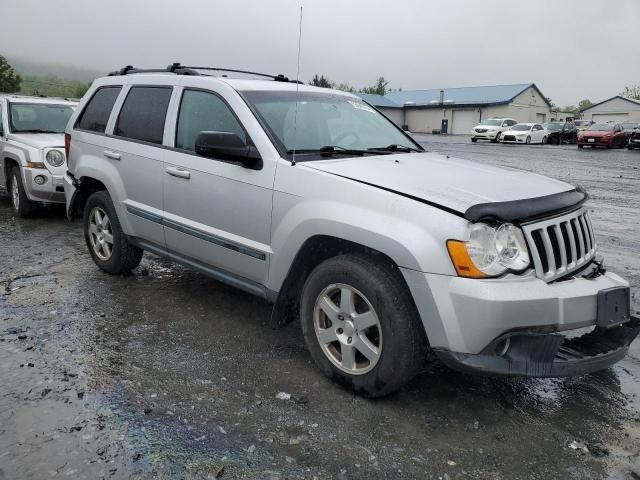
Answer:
x=603 y=135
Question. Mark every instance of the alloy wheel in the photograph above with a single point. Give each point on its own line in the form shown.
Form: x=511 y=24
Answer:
x=100 y=233
x=15 y=193
x=348 y=329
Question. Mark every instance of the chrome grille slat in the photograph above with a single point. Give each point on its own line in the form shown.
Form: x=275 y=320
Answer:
x=561 y=244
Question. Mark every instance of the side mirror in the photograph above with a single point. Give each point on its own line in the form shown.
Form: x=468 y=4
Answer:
x=227 y=146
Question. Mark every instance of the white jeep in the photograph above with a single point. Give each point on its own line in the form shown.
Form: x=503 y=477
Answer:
x=32 y=157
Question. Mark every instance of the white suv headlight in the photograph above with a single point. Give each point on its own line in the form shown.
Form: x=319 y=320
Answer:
x=55 y=158
x=490 y=251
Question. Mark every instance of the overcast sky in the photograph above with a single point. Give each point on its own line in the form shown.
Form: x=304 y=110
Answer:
x=570 y=49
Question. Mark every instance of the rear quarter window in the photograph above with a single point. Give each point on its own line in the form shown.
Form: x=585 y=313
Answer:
x=96 y=114
x=143 y=114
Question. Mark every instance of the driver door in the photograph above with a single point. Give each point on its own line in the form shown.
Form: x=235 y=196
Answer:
x=216 y=213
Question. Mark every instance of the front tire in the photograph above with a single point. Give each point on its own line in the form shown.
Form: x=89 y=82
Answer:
x=361 y=326
x=544 y=141
x=105 y=239
x=22 y=206
x=474 y=140
x=580 y=146
x=528 y=141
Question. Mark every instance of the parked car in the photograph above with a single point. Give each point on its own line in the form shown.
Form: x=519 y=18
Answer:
x=341 y=220
x=32 y=159
x=634 y=139
x=561 y=132
x=525 y=133
x=491 y=129
x=629 y=127
x=603 y=135
x=583 y=124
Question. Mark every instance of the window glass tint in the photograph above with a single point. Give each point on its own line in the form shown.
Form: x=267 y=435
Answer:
x=96 y=114
x=143 y=114
x=203 y=112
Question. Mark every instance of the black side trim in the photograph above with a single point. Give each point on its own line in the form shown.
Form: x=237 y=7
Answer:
x=197 y=233
x=528 y=209
x=223 y=276
x=406 y=195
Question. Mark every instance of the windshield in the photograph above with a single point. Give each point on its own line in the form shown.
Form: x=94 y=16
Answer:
x=38 y=117
x=325 y=120
x=492 y=122
x=583 y=123
x=521 y=127
x=553 y=126
x=601 y=127
x=629 y=125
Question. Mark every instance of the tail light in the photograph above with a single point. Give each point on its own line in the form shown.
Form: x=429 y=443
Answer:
x=67 y=144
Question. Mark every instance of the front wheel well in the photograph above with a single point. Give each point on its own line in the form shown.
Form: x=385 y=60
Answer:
x=313 y=252
x=9 y=163
x=86 y=187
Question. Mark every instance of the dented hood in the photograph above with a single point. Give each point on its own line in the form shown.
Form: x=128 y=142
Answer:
x=452 y=183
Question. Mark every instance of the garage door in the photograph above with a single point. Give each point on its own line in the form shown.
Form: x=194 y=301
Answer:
x=610 y=117
x=464 y=121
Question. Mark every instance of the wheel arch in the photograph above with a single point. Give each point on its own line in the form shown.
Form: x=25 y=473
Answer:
x=85 y=187
x=314 y=251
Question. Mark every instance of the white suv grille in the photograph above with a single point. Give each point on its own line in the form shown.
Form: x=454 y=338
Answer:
x=560 y=245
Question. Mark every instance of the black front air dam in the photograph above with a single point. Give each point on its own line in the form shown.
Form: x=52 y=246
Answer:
x=548 y=355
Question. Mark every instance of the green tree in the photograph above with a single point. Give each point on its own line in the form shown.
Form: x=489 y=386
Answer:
x=344 y=86
x=584 y=104
x=550 y=102
x=9 y=79
x=380 y=88
x=631 y=91
x=320 y=81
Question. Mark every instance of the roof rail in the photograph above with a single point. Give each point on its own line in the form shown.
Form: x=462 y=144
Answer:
x=180 y=69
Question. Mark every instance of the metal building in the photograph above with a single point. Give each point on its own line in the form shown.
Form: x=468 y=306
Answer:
x=614 y=109
x=458 y=109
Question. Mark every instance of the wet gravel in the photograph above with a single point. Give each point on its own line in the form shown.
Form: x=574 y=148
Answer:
x=168 y=374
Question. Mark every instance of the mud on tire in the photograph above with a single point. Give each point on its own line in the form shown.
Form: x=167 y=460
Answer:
x=401 y=335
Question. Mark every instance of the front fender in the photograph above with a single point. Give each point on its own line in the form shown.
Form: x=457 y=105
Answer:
x=20 y=155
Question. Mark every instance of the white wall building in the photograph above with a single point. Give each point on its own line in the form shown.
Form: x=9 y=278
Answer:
x=615 y=109
x=423 y=111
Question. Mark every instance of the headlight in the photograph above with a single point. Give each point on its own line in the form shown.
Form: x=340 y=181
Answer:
x=490 y=251
x=55 y=158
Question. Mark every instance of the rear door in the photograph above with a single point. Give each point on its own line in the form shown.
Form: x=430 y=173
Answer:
x=217 y=213
x=135 y=150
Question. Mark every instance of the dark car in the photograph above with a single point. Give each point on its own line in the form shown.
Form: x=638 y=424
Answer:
x=634 y=139
x=603 y=135
x=630 y=126
x=561 y=132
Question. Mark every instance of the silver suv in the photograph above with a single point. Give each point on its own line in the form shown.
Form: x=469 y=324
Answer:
x=313 y=200
x=32 y=159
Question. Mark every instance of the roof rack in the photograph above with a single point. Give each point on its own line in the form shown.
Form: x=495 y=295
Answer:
x=180 y=69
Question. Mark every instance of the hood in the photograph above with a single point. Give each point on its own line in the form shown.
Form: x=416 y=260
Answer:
x=595 y=133
x=39 y=140
x=452 y=183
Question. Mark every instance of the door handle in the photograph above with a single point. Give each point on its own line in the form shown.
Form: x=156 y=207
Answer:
x=178 y=172
x=112 y=155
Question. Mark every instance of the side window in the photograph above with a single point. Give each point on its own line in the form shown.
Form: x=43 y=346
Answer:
x=143 y=114
x=96 y=114
x=200 y=112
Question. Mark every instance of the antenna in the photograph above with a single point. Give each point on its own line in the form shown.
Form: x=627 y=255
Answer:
x=295 y=115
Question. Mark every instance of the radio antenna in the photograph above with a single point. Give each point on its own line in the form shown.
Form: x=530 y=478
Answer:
x=295 y=115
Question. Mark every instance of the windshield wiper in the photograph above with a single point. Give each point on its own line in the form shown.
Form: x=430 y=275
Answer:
x=396 y=148
x=331 y=150
x=35 y=130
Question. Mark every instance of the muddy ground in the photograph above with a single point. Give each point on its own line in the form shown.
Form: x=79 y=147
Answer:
x=169 y=374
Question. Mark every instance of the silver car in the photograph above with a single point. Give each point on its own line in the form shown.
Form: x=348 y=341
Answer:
x=32 y=159
x=314 y=201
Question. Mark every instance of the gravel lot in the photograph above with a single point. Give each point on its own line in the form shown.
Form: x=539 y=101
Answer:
x=169 y=374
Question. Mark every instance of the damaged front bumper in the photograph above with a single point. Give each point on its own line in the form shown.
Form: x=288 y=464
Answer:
x=547 y=355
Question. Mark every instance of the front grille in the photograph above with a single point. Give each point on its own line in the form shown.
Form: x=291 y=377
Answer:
x=481 y=130
x=560 y=245
x=509 y=138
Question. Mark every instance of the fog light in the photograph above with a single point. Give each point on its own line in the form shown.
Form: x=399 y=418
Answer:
x=40 y=179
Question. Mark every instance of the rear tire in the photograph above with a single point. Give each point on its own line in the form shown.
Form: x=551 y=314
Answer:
x=22 y=206
x=544 y=141
x=368 y=305
x=107 y=243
